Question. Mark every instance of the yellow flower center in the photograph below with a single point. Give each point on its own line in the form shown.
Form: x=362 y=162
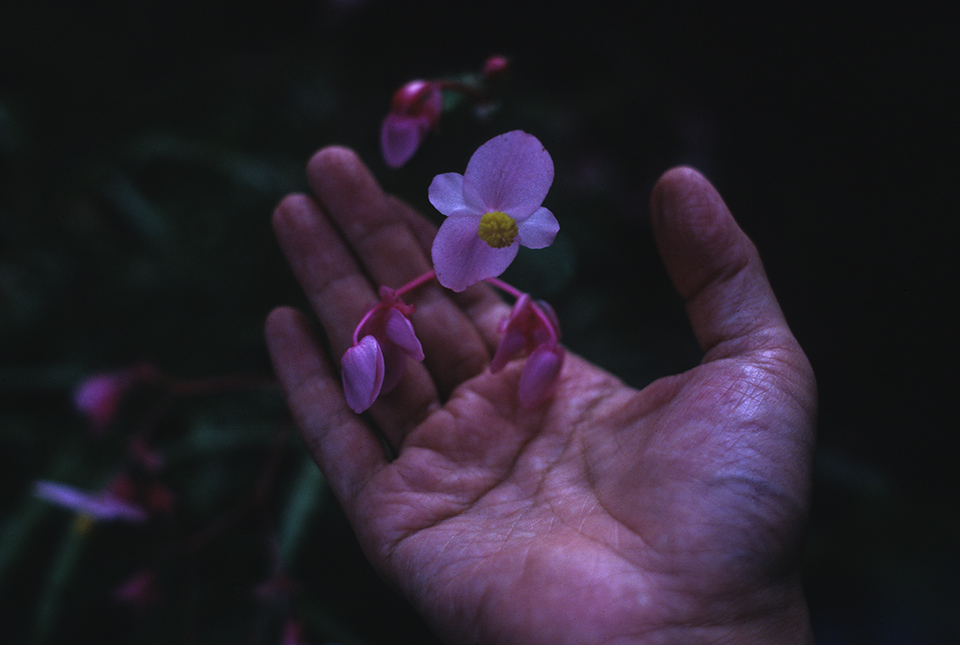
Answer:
x=498 y=229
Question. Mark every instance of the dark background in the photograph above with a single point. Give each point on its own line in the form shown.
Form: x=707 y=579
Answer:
x=143 y=146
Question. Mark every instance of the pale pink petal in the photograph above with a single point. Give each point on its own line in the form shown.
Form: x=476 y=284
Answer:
x=512 y=173
x=446 y=193
x=400 y=136
x=362 y=373
x=400 y=332
x=450 y=195
x=461 y=258
x=539 y=230
x=101 y=506
x=539 y=376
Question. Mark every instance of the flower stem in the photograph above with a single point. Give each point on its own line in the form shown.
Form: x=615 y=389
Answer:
x=416 y=282
x=410 y=286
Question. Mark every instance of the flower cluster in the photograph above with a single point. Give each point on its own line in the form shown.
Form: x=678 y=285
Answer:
x=491 y=210
x=381 y=344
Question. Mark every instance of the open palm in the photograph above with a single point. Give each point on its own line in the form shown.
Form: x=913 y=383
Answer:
x=673 y=514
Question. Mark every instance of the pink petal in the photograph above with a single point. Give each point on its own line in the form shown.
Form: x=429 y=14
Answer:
x=512 y=173
x=512 y=343
x=450 y=195
x=362 y=373
x=400 y=332
x=539 y=375
x=461 y=258
x=539 y=230
x=446 y=193
x=400 y=136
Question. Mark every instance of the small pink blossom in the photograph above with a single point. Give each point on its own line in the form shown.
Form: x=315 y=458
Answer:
x=492 y=210
x=532 y=328
x=383 y=341
x=98 y=396
x=102 y=506
x=415 y=111
x=529 y=326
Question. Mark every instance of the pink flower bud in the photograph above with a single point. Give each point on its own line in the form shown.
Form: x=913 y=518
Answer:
x=363 y=373
x=539 y=376
x=415 y=111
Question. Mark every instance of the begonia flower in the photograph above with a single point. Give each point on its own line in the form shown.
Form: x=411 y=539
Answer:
x=528 y=326
x=415 y=111
x=532 y=328
x=103 y=505
x=98 y=396
x=492 y=209
x=383 y=341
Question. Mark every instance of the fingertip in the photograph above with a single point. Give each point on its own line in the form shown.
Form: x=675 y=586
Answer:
x=289 y=211
x=331 y=158
x=695 y=232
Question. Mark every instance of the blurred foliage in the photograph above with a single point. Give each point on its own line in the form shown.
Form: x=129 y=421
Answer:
x=144 y=145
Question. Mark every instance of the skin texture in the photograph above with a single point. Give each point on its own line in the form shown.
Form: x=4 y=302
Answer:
x=673 y=514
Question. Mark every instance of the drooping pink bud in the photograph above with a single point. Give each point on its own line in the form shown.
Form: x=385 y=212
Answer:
x=539 y=376
x=399 y=331
x=415 y=111
x=362 y=373
x=529 y=326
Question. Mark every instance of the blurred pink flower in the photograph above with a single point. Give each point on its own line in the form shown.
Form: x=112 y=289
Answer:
x=492 y=210
x=98 y=396
x=415 y=111
x=103 y=506
x=383 y=341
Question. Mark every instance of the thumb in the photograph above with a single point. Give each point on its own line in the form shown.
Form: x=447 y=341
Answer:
x=715 y=268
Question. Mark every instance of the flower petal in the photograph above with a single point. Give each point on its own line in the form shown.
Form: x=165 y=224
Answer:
x=400 y=136
x=539 y=376
x=446 y=193
x=539 y=230
x=399 y=331
x=461 y=258
x=512 y=173
x=512 y=343
x=362 y=373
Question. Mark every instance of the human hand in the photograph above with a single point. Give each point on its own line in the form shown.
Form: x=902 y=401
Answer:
x=673 y=514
